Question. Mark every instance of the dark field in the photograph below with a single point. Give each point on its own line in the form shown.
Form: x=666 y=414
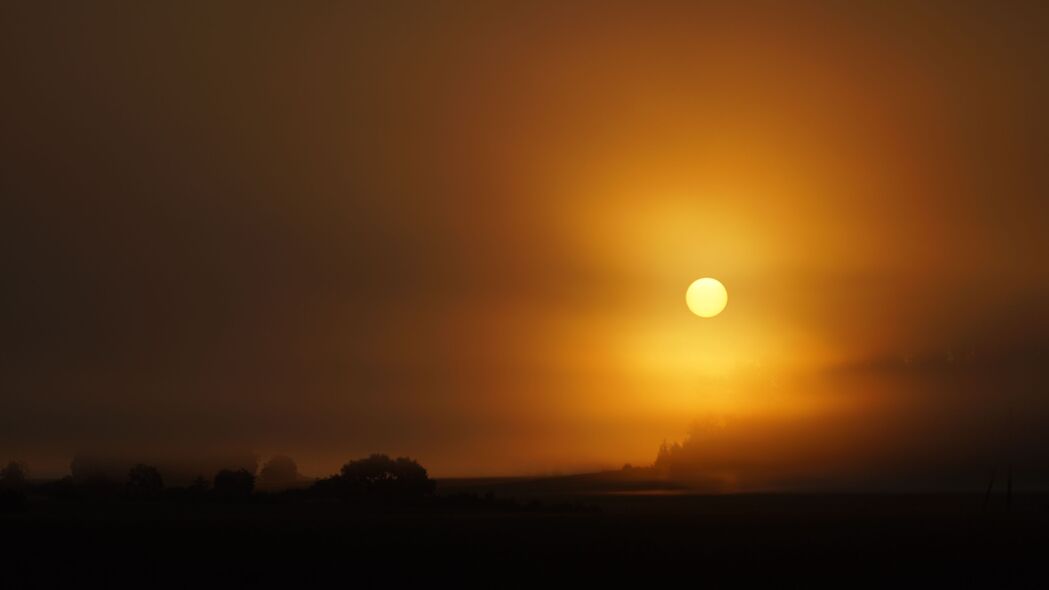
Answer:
x=666 y=537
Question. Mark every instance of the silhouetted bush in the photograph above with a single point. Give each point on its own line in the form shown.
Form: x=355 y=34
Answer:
x=379 y=477
x=234 y=484
x=144 y=481
x=13 y=475
x=280 y=472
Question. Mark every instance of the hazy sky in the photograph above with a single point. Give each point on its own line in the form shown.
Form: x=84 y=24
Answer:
x=463 y=232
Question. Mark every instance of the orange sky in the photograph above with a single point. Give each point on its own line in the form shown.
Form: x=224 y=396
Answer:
x=465 y=234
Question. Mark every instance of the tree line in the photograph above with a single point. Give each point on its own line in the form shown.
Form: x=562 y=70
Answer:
x=375 y=481
x=374 y=477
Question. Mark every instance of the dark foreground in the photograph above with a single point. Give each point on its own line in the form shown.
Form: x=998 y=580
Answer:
x=848 y=540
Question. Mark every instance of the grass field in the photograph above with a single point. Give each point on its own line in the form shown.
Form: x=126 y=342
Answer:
x=558 y=530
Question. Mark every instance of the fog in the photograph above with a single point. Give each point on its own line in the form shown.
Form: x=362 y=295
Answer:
x=464 y=234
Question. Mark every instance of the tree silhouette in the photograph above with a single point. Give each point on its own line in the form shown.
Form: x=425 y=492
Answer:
x=13 y=475
x=234 y=484
x=144 y=481
x=279 y=472
x=380 y=477
x=663 y=458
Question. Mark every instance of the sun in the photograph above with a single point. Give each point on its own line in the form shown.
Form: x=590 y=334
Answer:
x=706 y=297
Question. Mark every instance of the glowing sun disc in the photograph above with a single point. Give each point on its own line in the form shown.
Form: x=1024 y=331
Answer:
x=706 y=297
